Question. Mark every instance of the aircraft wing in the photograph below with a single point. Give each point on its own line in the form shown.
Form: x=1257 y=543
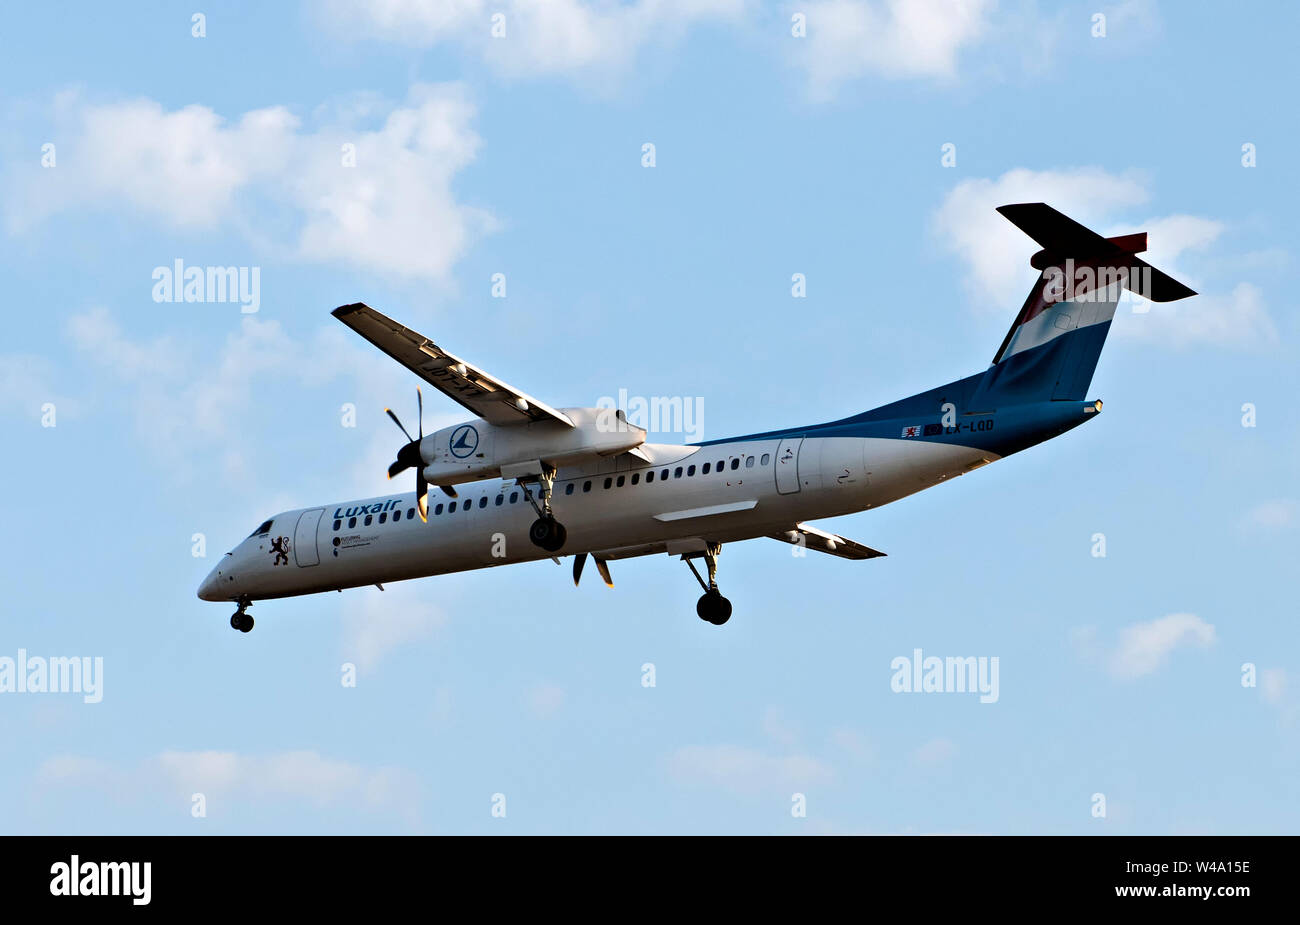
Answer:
x=820 y=540
x=483 y=394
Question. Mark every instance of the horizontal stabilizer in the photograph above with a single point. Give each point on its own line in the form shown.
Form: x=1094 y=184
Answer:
x=1062 y=238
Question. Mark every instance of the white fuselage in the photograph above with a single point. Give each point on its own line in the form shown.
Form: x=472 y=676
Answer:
x=672 y=505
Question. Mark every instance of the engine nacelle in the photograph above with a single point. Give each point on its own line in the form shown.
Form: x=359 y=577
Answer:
x=478 y=450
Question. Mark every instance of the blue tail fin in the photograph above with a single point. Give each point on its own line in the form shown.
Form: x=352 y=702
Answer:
x=1053 y=346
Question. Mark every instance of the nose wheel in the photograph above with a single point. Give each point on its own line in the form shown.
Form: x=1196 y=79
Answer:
x=712 y=607
x=546 y=531
x=241 y=620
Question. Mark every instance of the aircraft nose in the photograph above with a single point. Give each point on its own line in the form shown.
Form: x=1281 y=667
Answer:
x=209 y=590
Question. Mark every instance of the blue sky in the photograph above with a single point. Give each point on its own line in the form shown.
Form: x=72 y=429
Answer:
x=522 y=155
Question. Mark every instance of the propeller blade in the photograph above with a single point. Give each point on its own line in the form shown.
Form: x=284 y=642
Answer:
x=397 y=468
x=603 y=567
x=419 y=404
x=449 y=491
x=578 y=562
x=389 y=412
x=422 y=496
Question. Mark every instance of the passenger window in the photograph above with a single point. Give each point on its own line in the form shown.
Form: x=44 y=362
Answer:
x=383 y=517
x=690 y=471
x=437 y=510
x=608 y=482
x=763 y=461
x=749 y=462
x=337 y=524
x=410 y=512
x=704 y=469
x=622 y=480
x=650 y=476
x=514 y=496
x=664 y=474
x=636 y=477
x=568 y=489
x=451 y=508
x=677 y=473
x=586 y=486
x=721 y=465
x=369 y=520
x=735 y=463
x=352 y=522
x=500 y=500
x=397 y=515
x=482 y=502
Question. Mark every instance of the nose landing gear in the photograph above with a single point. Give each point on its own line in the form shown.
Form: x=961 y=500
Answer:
x=712 y=607
x=241 y=620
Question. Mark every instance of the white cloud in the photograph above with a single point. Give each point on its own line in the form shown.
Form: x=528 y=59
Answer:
x=855 y=743
x=26 y=384
x=377 y=622
x=393 y=212
x=1277 y=514
x=1145 y=647
x=935 y=752
x=1234 y=319
x=1272 y=685
x=996 y=254
x=780 y=728
x=745 y=770
x=193 y=401
x=542 y=37
x=849 y=39
x=546 y=699
x=288 y=776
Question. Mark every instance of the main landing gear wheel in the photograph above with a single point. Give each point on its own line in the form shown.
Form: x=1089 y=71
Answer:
x=712 y=607
x=548 y=533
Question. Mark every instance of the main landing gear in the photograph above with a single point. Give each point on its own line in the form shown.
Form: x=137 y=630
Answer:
x=241 y=620
x=546 y=531
x=712 y=607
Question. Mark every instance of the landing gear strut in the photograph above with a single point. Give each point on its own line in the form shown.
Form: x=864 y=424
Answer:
x=241 y=620
x=546 y=531
x=712 y=607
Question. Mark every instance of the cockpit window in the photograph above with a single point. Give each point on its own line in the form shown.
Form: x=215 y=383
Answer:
x=262 y=530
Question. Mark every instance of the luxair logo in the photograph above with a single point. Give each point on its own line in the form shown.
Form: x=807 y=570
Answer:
x=358 y=510
x=179 y=283
x=464 y=441
x=103 y=878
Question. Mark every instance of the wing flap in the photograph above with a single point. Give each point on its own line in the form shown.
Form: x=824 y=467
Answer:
x=830 y=543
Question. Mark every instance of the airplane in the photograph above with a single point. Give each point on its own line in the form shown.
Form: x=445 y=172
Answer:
x=524 y=481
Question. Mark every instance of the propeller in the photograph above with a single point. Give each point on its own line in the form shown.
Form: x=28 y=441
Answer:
x=409 y=457
x=602 y=566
